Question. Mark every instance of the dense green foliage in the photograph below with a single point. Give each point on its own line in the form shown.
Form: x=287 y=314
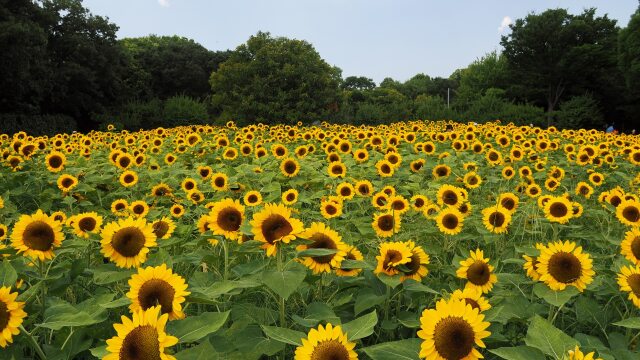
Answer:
x=57 y=59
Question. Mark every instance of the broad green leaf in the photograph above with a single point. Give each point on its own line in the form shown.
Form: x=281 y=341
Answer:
x=519 y=353
x=218 y=288
x=366 y=300
x=284 y=335
x=547 y=338
x=194 y=328
x=415 y=286
x=355 y=264
x=99 y=352
x=61 y=314
x=284 y=283
x=108 y=274
x=203 y=351
x=408 y=349
x=361 y=327
x=8 y=275
x=555 y=298
x=316 y=252
x=390 y=281
x=631 y=323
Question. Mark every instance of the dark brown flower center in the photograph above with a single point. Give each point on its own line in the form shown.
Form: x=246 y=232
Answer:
x=275 y=227
x=252 y=198
x=385 y=222
x=290 y=167
x=558 y=210
x=450 y=221
x=398 y=205
x=38 y=236
x=141 y=344
x=330 y=350
x=450 y=197
x=67 y=182
x=478 y=273
x=128 y=241
x=635 y=247
x=385 y=169
x=413 y=265
x=322 y=241
x=120 y=206
x=160 y=228
x=474 y=304
x=508 y=203
x=442 y=171
x=336 y=170
x=331 y=209
x=156 y=292
x=496 y=219
x=138 y=209
x=419 y=202
x=633 y=280
x=229 y=219
x=454 y=338
x=565 y=267
x=392 y=256
x=219 y=181
x=345 y=191
x=55 y=161
x=87 y=224
x=4 y=316
x=631 y=213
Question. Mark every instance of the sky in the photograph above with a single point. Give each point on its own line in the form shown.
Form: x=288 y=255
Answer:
x=372 y=38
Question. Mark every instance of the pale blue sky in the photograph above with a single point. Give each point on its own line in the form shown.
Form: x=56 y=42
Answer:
x=373 y=38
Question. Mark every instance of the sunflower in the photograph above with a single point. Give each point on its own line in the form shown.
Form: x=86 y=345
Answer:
x=418 y=202
x=380 y=201
x=472 y=180
x=363 y=188
x=87 y=223
x=127 y=241
x=119 y=207
x=416 y=268
x=392 y=255
x=450 y=221
x=385 y=168
x=139 y=208
x=533 y=190
x=345 y=190
x=289 y=167
x=472 y=297
x=451 y=330
x=628 y=212
x=584 y=189
x=326 y=343
x=219 y=181
x=160 y=190
x=596 y=178
x=441 y=171
x=177 y=210
x=508 y=172
x=630 y=246
x=629 y=281
x=337 y=169
x=3 y=234
x=67 y=182
x=128 y=178
x=508 y=201
x=352 y=253
x=153 y=286
x=163 y=228
x=252 y=198
x=11 y=316
x=449 y=195
x=55 y=161
x=558 y=209
x=496 y=219
x=398 y=204
x=330 y=209
x=141 y=337
x=478 y=272
x=531 y=264
x=564 y=264
x=290 y=197
x=226 y=218
x=577 y=354
x=323 y=237
x=274 y=224
x=386 y=224
x=37 y=235
x=189 y=184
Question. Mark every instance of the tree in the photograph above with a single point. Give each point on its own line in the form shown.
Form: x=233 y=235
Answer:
x=554 y=55
x=357 y=83
x=164 y=66
x=629 y=62
x=275 y=80
x=488 y=72
x=580 y=112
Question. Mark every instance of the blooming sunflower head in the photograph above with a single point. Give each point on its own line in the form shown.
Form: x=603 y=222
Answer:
x=563 y=264
x=478 y=272
x=473 y=297
x=629 y=281
x=323 y=237
x=37 y=235
x=11 y=316
x=274 y=224
x=328 y=342
x=163 y=228
x=450 y=221
x=153 y=286
x=127 y=241
x=391 y=256
x=226 y=217
x=386 y=224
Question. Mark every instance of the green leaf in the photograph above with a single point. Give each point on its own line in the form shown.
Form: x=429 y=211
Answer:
x=316 y=252
x=408 y=349
x=195 y=328
x=367 y=299
x=108 y=274
x=519 y=353
x=284 y=283
x=8 y=275
x=555 y=298
x=355 y=264
x=284 y=335
x=202 y=351
x=218 y=288
x=61 y=314
x=631 y=323
x=99 y=352
x=547 y=338
x=390 y=281
x=361 y=327
x=415 y=286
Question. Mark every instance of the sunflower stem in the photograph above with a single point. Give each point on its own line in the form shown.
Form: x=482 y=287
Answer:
x=281 y=303
x=43 y=292
x=226 y=259
x=34 y=343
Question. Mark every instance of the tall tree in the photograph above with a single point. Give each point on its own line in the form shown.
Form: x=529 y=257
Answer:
x=488 y=72
x=275 y=79
x=357 y=83
x=554 y=55
x=629 y=60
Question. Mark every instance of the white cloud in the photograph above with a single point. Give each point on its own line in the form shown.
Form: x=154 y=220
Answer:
x=504 y=25
x=163 y=3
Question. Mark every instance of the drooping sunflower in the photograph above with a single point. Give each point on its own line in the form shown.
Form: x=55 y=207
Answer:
x=496 y=219
x=577 y=354
x=252 y=198
x=127 y=241
x=141 y=337
x=323 y=237
x=478 y=272
x=629 y=281
x=87 y=223
x=472 y=297
x=55 y=161
x=289 y=167
x=630 y=246
x=417 y=266
x=450 y=221
x=564 y=264
x=628 y=212
x=326 y=343
x=67 y=182
x=451 y=331
x=274 y=224
x=391 y=255
x=558 y=209
x=163 y=228
x=37 y=235
x=352 y=253
x=11 y=316
x=153 y=286
x=386 y=224
x=227 y=216
x=531 y=264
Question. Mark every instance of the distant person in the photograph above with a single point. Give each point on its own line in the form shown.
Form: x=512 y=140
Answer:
x=633 y=132
x=610 y=129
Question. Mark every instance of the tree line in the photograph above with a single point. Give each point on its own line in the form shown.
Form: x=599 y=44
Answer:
x=62 y=68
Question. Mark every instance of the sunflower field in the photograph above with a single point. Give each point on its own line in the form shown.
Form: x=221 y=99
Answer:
x=434 y=240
